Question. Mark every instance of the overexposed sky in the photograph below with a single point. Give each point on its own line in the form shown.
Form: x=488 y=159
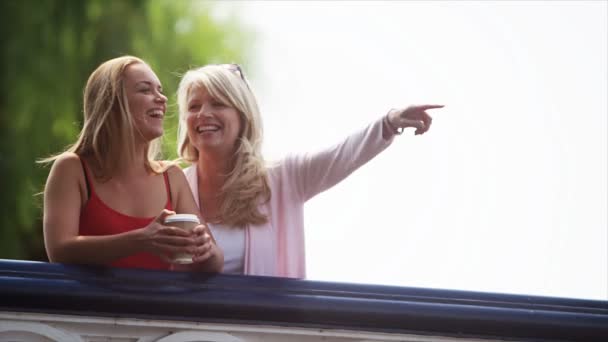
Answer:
x=508 y=190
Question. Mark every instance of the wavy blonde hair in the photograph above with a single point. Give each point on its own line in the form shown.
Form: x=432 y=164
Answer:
x=108 y=130
x=246 y=185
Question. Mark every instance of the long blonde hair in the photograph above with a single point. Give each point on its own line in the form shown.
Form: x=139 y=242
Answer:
x=246 y=185
x=108 y=129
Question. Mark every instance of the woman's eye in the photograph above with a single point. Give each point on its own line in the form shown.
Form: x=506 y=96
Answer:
x=194 y=107
x=217 y=104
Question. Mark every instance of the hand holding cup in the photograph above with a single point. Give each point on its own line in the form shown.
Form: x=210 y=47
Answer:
x=205 y=246
x=188 y=223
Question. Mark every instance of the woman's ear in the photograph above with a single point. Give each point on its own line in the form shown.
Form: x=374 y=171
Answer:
x=244 y=129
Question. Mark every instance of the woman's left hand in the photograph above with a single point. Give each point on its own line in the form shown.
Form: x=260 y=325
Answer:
x=205 y=246
x=207 y=256
x=412 y=116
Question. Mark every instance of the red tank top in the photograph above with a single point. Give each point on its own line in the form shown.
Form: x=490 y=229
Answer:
x=97 y=218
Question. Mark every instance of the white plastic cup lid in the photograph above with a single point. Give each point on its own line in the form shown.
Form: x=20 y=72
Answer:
x=182 y=218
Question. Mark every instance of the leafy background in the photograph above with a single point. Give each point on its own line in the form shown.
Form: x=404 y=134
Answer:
x=49 y=49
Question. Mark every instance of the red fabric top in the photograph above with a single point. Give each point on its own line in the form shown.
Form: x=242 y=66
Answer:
x=97 y=218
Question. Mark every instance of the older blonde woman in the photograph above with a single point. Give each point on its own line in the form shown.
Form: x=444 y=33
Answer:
x=106 y=197
x=255 y=211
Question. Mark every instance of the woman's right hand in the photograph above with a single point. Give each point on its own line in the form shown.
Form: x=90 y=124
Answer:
x=165 y=241
x=413 y=116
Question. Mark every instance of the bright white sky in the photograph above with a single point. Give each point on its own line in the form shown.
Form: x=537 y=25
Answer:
x=508 y=190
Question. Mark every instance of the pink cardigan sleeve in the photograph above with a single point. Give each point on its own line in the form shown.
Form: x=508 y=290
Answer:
x=313 y=173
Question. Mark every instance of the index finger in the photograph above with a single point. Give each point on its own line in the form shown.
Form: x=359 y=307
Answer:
x=425 y=107
x=171 y=230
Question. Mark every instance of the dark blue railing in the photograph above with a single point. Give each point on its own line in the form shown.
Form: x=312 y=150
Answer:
x=98 y=291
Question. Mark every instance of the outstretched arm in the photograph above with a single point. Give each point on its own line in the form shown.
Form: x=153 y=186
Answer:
x=312 y=173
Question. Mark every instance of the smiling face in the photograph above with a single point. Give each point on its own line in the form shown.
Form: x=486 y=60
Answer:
x=213 y=126
x=147 y=103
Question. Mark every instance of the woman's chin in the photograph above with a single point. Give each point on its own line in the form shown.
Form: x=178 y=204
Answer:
x=153 y=134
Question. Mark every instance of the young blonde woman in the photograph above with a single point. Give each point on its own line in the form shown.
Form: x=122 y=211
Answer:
x=256 y=211
x=106 y=197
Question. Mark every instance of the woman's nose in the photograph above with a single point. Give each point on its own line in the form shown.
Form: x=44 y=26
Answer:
x=161 y=98
x=205 y=111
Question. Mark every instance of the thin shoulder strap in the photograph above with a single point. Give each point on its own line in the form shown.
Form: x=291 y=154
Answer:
x=86 y=178
x=168 y=187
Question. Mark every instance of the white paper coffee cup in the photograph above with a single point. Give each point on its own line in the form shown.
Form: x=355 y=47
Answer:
x=183 y=221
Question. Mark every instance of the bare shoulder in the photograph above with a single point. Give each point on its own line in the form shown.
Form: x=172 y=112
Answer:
x=184 y=201
x=67 y=164
x=175 y=171
x=66 y=175
x=176 y=175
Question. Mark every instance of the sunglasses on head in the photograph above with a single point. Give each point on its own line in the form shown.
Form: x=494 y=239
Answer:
x=235 y=68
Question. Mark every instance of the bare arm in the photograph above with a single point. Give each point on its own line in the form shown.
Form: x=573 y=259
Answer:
x=208 y=256
x=62 y=206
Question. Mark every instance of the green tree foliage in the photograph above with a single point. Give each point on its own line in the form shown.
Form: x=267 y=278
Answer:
x=49 y=49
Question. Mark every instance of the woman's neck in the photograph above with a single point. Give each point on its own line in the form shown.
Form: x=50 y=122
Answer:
x=212 y=172
x=129 y=168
